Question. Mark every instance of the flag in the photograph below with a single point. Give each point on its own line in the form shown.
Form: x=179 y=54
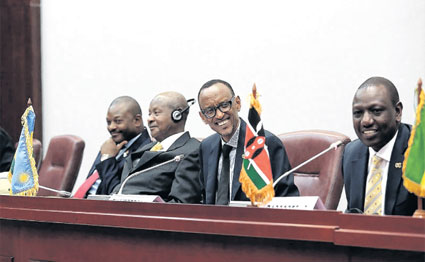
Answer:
x=256 y=173
x=23 y=171
x=414 y=157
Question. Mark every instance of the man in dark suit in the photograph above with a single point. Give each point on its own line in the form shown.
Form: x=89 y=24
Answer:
x=176 y=181
x=219 y=109
x=125 y=124
x=7 y=150
x=377 y=115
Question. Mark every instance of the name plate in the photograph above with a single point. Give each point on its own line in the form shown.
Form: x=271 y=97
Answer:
x=299 y=203
x=128 y=198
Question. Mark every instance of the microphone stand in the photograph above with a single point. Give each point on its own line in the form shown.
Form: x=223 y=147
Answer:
x=334 y=145
x=60 y=192
x=175 y=159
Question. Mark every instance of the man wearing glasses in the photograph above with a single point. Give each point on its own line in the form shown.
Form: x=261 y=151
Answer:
x=221 y=153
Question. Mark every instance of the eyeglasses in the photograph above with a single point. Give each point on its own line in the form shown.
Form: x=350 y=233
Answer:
x=224 y=107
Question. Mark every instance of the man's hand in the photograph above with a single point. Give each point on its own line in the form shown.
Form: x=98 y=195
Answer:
x=110 y=148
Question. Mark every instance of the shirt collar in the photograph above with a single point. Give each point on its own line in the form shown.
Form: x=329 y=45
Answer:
x=233 y=142
x=385 y=151
x=166 y=143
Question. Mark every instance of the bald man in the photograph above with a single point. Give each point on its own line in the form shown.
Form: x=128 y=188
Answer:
x=176 y=181
x=125 y=124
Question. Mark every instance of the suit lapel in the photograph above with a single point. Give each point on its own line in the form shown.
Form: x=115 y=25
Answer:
x=180 y=141
x=147 y=155
x=358 y=184
x=394 y=169
x=213 y=157
x=236 y=185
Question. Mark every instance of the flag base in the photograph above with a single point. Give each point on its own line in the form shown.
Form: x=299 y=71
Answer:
x=419 y=213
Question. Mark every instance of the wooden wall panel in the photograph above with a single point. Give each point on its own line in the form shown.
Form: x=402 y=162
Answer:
x=20 y=64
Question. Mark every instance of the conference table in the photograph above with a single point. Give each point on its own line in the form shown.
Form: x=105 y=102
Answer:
x=61 y=229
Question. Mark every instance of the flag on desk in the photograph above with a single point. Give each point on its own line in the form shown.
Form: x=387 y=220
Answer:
x=23 y=171
x=256 y=173
x=414 y=157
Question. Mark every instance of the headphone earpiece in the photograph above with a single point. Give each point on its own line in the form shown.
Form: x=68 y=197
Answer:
x=177 y=114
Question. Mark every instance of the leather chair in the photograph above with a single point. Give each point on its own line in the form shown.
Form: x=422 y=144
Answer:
x=61 y=165
x=322 y=177
x=38 y=152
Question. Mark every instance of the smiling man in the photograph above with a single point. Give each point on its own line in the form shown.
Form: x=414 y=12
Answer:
x=176 y=181
x=372 y=164
x=125 y=124
x=221 y=153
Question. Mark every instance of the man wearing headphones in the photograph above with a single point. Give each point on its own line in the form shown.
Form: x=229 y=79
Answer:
x=175 y=181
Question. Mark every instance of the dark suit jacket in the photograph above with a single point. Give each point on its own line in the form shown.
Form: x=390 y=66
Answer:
x=210 y=155
x=175 y=181
x=7 y=150
x=398 y=201
x=110 y=169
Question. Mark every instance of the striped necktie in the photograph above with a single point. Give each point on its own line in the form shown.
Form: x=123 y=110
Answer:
x=373 y=200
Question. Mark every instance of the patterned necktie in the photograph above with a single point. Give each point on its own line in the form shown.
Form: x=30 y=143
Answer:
x=373 y=200
x=157 y=147
x=224 y=183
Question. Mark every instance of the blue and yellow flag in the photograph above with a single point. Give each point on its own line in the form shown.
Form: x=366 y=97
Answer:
x=23 y=171
x=414 y=158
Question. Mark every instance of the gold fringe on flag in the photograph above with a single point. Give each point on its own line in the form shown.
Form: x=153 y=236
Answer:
x=253 y=100
x=258 y=197
x=413 y=187
x=29 y=144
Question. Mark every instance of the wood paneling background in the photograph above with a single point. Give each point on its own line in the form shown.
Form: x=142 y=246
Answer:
x=20 y=64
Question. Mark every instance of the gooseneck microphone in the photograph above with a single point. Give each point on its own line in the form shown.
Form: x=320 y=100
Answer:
x=177 y=158
x=334 y=145
x=60 y=192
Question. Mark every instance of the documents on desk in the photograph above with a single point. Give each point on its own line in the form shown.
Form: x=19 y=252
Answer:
x=300 y=203
x=128 y=198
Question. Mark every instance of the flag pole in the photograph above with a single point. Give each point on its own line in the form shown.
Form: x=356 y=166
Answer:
x=420 y=212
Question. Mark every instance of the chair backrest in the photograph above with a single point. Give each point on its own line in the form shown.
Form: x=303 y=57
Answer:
x=321 y=177
x=38 y=152
x=61 y=165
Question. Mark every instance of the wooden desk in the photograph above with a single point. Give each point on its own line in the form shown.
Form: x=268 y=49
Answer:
x=54 y=229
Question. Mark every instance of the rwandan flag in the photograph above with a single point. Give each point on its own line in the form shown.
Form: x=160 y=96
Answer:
x=414 y=158
x=23 y=172
x=256 y=174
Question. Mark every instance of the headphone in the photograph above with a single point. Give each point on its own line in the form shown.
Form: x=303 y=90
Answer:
x=177 y=114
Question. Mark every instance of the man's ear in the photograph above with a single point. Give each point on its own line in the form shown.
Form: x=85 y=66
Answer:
x=238 y=103
x=138 y=120
x=398 y=111
x=203 y=118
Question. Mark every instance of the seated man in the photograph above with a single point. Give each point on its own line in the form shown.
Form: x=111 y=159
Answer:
x=372 y=164
x=125 y=124
x=219 y=109
x=7 y=150
x=176 y=181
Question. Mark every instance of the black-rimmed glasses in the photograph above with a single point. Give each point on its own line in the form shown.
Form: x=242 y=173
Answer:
x=224 y=107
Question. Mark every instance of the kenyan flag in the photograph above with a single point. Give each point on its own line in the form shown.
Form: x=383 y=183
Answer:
x=256 y=174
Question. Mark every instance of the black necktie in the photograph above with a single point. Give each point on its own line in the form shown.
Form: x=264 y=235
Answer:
x=223 y=185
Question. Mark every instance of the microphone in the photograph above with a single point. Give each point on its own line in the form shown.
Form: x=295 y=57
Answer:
x=177 y=158
x=334 y=145
x=60 y=192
